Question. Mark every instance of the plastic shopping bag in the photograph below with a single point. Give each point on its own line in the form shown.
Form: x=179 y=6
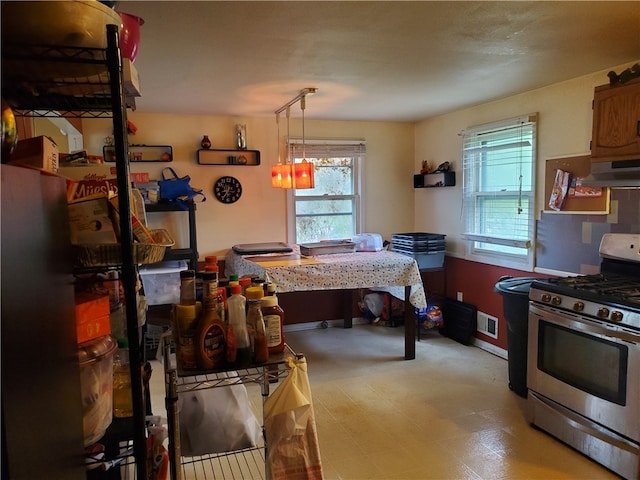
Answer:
x=216 y=420
x=293 y=452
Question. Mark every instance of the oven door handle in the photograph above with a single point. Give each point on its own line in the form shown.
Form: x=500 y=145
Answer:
x=608 y=332
x=586 y=326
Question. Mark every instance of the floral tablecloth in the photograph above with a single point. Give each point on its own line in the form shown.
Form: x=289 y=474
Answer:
x=384 y=270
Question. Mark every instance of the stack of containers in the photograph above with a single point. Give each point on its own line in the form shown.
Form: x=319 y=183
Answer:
x=427 y=248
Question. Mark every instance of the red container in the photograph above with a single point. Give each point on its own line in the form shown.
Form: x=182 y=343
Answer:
x=130 y=35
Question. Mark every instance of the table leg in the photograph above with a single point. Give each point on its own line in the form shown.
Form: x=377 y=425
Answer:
x=409 y=327
x=347 y=308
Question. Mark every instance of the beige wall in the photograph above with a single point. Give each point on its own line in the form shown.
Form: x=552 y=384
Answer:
x=394 y=153
x=564 y=129
x=260 y=214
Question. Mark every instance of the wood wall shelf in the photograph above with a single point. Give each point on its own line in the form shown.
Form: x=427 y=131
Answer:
x=431 y=180
x=228 y=157
x=141 y=153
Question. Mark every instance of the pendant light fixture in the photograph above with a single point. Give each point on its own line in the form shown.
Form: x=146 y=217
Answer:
x=293 y=175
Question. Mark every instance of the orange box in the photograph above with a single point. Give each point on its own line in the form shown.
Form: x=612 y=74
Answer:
x=92 y=316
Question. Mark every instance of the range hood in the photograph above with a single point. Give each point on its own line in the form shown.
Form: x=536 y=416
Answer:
x=617 y=173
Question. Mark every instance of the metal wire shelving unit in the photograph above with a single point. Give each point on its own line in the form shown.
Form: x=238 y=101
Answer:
x=238 y=464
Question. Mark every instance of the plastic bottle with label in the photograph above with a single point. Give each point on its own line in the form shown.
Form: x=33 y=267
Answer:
x=122 y=397
x=237 y=328
x=255 y=324
x=274 y=323
x=211 y=331
x=211 y=263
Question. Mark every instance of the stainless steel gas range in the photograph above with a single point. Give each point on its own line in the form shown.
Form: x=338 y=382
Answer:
x=583 y=366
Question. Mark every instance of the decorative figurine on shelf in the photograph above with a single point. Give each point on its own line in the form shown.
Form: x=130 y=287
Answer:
x=205 y=143
x=443 y=167
x=427 y=167
x=626 y=75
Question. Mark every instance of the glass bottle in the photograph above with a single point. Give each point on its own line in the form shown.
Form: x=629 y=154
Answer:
x=205 y=143
x=274 y=323
x=187 y=287
x=210 y=339
x=122 y=397
x=237 y=328
x=255 y=324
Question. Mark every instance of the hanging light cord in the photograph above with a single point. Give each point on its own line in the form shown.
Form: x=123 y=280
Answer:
x=278 y=142
x=302 y=106
x=288 y=135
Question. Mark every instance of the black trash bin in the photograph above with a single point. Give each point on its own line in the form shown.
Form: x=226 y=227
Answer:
x=515 y=303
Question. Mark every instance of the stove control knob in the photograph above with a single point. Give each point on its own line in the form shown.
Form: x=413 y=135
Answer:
x=578 y=306
x=603 y=312
x=546 y=298
x=616 y=316
x=555 y=300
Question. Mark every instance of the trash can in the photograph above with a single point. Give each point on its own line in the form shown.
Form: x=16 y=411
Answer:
x=515 y=303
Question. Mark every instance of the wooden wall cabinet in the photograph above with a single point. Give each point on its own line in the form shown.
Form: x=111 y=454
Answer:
x=616 y=122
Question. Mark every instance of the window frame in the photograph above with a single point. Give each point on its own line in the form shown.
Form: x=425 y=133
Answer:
x=331 y=146
x=471 y=193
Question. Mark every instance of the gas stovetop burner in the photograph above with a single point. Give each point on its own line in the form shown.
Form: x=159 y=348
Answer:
x=609 y=285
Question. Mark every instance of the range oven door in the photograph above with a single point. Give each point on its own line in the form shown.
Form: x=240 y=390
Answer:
x=587 y=366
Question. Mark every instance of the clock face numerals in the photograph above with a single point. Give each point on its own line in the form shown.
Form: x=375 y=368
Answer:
x=227 y=189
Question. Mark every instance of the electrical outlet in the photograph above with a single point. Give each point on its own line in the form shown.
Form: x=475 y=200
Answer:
x=459 y=297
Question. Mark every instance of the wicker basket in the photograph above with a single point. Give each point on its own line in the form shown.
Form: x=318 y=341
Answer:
x=109 y=254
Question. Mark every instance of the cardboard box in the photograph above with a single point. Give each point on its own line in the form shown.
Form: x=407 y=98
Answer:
x=89 y=180
x=90 y=222
x=40 y=153
x=92 y=316
x=131 y=79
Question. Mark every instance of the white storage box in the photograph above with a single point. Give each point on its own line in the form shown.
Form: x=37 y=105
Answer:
x=368 y=242
x=161 y=282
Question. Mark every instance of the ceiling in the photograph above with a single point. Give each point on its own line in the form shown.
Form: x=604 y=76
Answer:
x=370 y=60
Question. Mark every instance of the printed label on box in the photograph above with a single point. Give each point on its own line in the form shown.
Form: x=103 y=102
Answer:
x=90 y=222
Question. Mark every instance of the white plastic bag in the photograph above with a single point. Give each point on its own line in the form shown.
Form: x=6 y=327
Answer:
x=292 y=440
x=216 y=420
x=374 y=303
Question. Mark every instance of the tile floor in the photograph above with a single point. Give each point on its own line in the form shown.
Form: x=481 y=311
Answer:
x=448 y=414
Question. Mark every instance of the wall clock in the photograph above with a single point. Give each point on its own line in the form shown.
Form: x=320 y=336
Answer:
x=227 y=189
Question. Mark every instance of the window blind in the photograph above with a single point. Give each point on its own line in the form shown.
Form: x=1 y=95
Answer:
x=499 y=184
x=327 y=148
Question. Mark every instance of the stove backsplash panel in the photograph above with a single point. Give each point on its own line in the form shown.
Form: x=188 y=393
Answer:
x=570 y=242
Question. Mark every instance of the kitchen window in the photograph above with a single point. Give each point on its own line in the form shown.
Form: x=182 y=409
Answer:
x=499 y=192
x=330 y=210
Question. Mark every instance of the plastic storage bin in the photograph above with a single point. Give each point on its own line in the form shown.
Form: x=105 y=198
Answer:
x=515 y=303
x=161 y=282
x=368 y=242
x=96 y=385
x=428 y=249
